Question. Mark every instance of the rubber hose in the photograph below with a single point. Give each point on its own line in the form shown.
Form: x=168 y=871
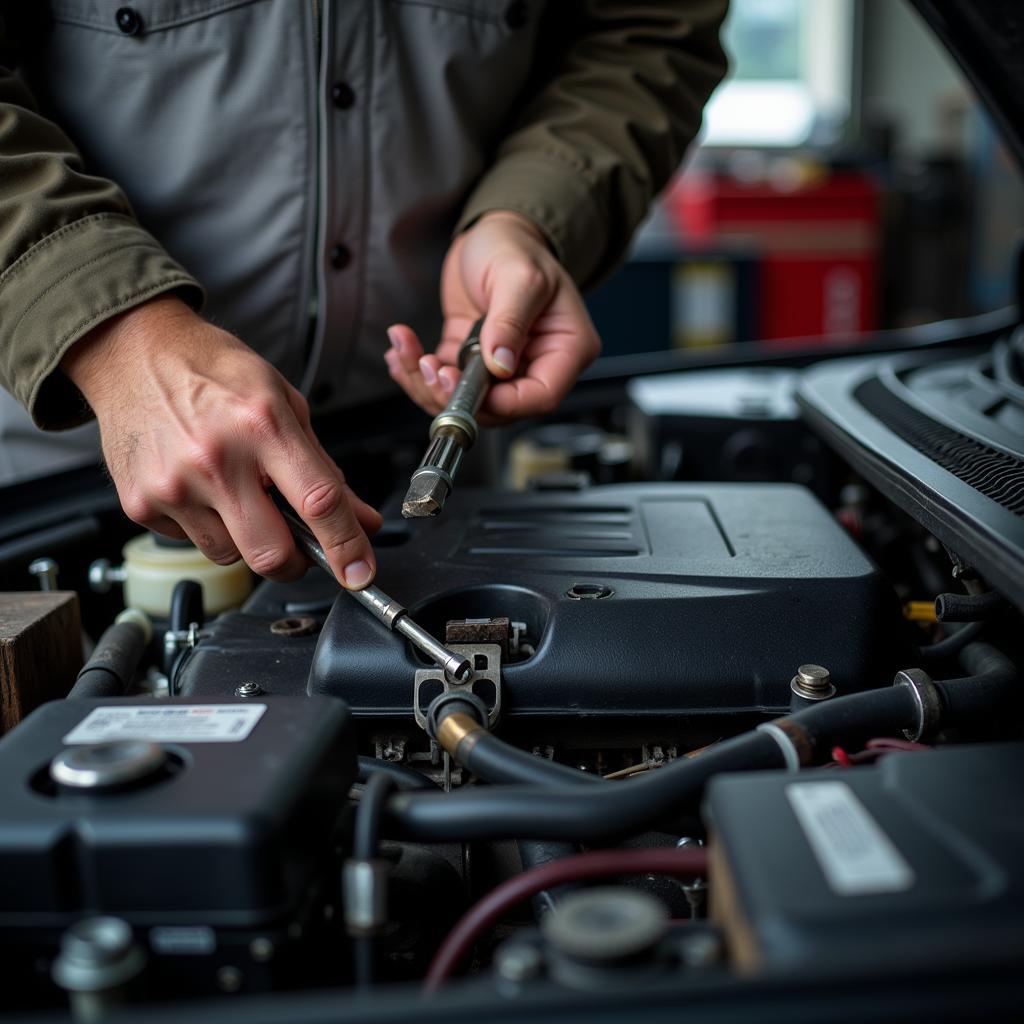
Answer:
x=968 y=607
x=575 y=812
x=187 y=605
x=365 y=843
x=588 y=814
x=535 y=853
x=404 y=778
x=369 y=815
x=953 y=644
x=499 y=762
x=109 y=671
x=991 y=689
x=858 y=717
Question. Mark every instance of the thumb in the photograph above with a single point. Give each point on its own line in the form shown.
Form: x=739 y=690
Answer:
x=520 y=295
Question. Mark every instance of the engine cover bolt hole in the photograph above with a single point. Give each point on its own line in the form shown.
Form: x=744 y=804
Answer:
x=589 y=591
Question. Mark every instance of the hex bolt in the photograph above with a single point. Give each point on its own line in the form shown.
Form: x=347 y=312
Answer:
x=813 y=683
x=98 y=959
x=45 y=571
x=518 y=962
x=248 y=690
x=103 y=575
x=261 y=949
x=229 y=979
x=695 y=891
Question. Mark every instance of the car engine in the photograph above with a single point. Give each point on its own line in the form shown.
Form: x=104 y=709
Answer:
x=737 y=743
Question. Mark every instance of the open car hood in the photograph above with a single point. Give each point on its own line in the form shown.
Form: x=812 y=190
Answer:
x=986 y=37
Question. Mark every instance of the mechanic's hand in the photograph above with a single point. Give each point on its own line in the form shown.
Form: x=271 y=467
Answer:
x=195 y=427
x=537 y=337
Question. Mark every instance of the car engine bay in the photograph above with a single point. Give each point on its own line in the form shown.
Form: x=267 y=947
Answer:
x=742 y=728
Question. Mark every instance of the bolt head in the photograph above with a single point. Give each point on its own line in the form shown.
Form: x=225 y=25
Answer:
x=518 y=962
x=229 y=979
x=99 y=580
x=813 y=682
x=249 y=690
x=261 y=949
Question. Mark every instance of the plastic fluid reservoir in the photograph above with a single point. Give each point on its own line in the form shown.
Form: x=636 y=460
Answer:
x=152 y=569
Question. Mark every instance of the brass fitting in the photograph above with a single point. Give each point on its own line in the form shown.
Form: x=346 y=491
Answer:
x=458 y=733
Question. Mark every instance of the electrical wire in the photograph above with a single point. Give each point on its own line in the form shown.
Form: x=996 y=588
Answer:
x=873 y=750
x=679 y=863
x=633 y=769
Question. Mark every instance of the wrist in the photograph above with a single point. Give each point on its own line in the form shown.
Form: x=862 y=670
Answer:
x=92 y=362
x=516 y=221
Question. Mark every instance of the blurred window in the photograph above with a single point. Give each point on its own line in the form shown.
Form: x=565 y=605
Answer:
x=791 y=73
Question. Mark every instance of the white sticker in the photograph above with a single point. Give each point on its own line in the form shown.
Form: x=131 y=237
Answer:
x=173 y=723
x=856 y=856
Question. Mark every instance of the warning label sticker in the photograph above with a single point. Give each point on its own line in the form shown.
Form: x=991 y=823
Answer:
x=171 y=723
x=856 y=856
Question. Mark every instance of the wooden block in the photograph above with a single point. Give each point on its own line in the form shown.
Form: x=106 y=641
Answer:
x=40 y=650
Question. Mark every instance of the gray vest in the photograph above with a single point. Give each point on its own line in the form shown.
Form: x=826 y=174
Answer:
x=306 y=160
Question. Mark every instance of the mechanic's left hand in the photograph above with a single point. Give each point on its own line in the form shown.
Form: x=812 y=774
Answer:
x=537 y=337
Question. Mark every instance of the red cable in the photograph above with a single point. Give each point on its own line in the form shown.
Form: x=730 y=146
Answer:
x=888 y=743
x=687 y=863
x=841 y=757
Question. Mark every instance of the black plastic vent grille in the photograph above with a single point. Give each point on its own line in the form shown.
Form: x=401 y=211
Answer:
x=991 y=472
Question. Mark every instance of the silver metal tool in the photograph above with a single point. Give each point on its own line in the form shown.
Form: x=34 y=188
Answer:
x=452 y=434
x=386 y=609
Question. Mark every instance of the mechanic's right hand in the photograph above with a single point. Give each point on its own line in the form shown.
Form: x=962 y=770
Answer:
x=196 y=427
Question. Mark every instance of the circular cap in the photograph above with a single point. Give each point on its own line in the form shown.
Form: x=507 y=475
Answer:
x=97 y=953
x=605 y=925
x=813 y=682
x=813 y=675
x=104 y=765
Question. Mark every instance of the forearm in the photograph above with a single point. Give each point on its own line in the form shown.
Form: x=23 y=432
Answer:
x=71 y=256
x=610 y=125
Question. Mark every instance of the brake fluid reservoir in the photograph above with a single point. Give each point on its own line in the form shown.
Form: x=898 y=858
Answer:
x=152 y=569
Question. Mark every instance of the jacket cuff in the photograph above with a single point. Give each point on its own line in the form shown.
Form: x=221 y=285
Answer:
x=556 y=196
x=66 y=284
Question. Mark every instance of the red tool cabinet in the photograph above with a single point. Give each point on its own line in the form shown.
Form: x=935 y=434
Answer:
x=818 y=245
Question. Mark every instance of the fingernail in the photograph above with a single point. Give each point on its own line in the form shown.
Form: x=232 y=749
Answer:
x=357 y=574
x=395 y=339
x=505 y=358
x=448 y=384
x=428 y=372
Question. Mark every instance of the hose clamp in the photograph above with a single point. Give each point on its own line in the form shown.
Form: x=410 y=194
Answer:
x=927 y=699
x=792 y=741
x=365 y=892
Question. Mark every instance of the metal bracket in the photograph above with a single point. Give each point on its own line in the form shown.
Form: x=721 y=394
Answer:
x=486 y=662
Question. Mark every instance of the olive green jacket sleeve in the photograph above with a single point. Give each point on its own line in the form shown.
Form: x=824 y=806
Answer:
x=71 y=254
x=625 y=83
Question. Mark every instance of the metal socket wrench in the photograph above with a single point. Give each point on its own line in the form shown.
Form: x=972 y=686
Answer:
x=452 y=433
x=384 y=608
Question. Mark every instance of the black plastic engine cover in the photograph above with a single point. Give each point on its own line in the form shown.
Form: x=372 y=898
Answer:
x=718 y=594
